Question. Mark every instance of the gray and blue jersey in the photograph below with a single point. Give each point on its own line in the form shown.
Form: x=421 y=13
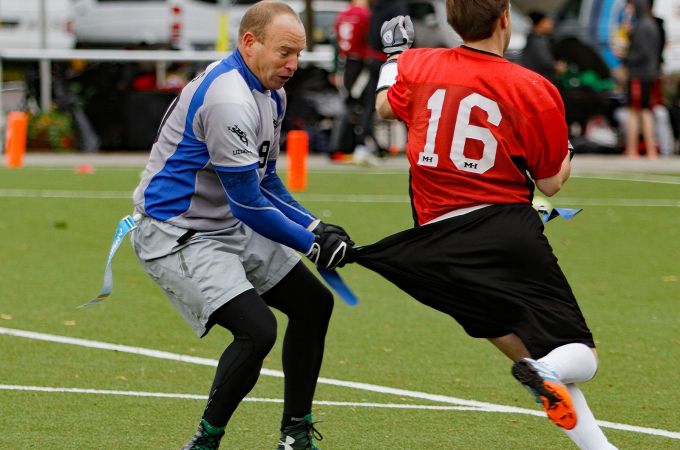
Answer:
x=223 y=121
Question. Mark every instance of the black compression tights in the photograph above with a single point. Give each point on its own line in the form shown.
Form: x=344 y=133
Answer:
x=308 y=305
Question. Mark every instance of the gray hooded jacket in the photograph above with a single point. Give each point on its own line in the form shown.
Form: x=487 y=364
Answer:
x=642 y=60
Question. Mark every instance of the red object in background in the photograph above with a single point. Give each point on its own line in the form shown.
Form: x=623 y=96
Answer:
x=15 y=139
x=85 y=169
x=297 y=149
x=351 y=28
x=145 y=82
x=176 y=27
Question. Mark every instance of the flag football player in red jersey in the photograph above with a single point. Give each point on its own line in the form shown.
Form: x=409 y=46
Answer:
x=483 y=133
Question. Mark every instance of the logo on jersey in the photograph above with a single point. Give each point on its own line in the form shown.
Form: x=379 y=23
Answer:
x=388 y=37
x=240 y=133
x=276 y=123
x=241 y=151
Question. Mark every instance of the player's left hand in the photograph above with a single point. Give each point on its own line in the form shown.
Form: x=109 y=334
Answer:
x=397 y=35
x=322 y=228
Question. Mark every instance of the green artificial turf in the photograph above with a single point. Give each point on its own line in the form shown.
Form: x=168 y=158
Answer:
x=55 y=230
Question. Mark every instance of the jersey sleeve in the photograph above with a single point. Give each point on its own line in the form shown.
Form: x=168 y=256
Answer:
x=230 y=133
x=249 y=205
x=399 y=93
x=551 y=144
x=274 y=190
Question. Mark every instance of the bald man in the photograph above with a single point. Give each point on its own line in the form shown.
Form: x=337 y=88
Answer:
x=220 y=233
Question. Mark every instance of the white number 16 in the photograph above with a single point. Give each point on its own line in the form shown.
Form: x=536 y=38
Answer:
x=462 y=132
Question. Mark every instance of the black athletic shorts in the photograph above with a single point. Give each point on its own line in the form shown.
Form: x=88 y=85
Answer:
x=639 y=93
x=492 y=270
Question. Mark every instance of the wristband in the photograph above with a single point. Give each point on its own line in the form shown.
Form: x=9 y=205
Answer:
x=313 y=225
x=388 y=75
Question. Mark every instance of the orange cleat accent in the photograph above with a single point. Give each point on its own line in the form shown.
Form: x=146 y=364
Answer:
x=558 y=405
x=548 y=391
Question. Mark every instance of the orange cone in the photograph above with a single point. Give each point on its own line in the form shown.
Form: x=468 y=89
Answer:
x=15 y=139
x=85 y=169
x=297 y=150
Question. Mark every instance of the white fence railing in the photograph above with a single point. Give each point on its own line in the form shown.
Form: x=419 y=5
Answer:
x=160 y=57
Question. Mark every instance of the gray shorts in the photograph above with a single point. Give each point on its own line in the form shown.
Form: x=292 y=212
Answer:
x=211 y=267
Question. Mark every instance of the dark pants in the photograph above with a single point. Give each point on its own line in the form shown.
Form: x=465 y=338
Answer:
x=308 y=305
x=368 y=115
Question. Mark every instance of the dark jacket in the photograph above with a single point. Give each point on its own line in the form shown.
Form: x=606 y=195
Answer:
x=537 y=56
x=643 y=60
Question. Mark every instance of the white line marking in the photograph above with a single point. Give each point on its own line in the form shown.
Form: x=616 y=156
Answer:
x=337 y=198
x=11 y=387
x=353 y=198
x=55 y=193
x=349 y=384
x=635 y=202
x=106 y=346
x=640 y=178
x=626 y=202
x=403 y=171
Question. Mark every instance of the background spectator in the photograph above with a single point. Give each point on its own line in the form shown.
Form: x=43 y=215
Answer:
x=381 y=11
x=537 y=54
x=642 y=64
x=662 y=120
x=351 y=31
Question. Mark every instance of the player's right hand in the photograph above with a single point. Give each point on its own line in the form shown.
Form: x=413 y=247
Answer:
x=397 y=35
x=329 y=250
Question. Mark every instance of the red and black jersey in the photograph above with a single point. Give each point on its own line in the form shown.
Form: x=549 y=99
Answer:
x=351 y=30
x=477 y=124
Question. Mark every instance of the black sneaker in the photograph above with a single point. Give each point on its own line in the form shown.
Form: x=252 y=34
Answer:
x=203 y=440
x=300 y=436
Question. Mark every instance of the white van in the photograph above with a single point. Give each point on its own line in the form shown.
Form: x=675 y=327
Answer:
x=322 y=33
x=179 y=24
x=182 y=24
x=20 y=24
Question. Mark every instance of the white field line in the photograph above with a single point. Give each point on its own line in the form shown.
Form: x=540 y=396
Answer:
x=637 y=177
x=335 y=198
x=59 y=193
x=611 y=176
x=490 y=407
x=629 y=202
x=11 y=387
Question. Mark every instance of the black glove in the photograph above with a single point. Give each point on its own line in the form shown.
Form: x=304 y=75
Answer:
x=322 y=228
x=397 y=35
x=329 y=250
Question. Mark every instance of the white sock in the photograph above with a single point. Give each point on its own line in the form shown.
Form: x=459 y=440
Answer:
x=573 y=363
x=587 y=435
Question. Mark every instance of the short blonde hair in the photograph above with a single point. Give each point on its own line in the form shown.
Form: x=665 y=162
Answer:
x=261 y=14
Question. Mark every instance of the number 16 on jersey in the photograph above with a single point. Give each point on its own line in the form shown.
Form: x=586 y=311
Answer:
x=462 y=132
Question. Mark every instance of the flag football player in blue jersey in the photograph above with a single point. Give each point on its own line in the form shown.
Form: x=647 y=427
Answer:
x=220 y=233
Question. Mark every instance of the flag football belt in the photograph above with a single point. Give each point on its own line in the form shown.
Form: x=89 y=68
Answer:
x=129 y=223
